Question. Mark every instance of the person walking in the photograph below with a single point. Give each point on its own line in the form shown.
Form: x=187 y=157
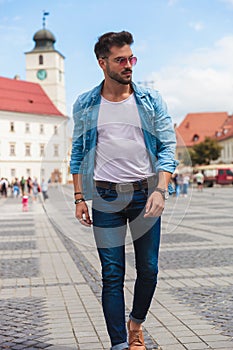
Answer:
x=199 y=177
x=22 y=185
x=16 y=188
x=185 y=184
x=44 y=189
x=35 y=189
x=3 y=186
x=122 y=157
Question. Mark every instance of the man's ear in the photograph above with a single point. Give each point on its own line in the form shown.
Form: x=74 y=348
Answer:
x=101 y=62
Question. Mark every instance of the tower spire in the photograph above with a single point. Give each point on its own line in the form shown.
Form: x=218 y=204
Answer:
x=44 y=18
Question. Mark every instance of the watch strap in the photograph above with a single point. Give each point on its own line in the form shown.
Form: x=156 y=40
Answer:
x=162 y=191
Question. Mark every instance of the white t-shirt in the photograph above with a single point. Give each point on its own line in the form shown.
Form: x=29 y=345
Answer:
x=121 y=154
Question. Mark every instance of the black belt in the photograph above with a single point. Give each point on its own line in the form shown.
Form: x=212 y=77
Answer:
x=127 y=186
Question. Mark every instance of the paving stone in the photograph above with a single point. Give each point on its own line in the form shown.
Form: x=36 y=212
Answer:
x=19 y=267
x=18 y=245
x=16 y=232
x=176 y=238
x=215 y=304
x=23 y=323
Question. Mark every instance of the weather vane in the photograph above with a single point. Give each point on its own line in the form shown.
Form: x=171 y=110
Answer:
x=44 y=18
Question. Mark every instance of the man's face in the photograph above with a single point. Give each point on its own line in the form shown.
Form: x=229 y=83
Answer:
x=114 y=69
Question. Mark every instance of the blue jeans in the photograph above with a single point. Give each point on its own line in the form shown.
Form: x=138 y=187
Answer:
x=111 y=212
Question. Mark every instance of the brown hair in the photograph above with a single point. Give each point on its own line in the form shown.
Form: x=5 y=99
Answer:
x=108 y=40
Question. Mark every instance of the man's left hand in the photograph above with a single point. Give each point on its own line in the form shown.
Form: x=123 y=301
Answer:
x=155 y=205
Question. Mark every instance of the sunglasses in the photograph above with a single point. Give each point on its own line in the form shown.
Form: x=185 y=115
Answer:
x=122 y=61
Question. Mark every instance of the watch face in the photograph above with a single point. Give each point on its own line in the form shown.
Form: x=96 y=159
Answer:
x=166 y=195
x=41 y=74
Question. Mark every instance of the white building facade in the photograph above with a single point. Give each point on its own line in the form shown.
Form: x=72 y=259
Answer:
x=33 y=145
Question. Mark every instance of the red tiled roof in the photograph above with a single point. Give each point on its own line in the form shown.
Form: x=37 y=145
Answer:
x=196 y=126
x=25 y=97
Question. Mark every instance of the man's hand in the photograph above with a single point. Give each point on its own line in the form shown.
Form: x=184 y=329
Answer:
x=155 y=205
x=82 y=214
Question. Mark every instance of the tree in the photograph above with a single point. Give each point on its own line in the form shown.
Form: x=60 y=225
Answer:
x=205 y=151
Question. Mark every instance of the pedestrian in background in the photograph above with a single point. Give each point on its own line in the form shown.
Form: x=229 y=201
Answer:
x=4 y=186
x=29 y=185
x=35 y=189
x=185 y=185
x=22 y=185
x=122 y=157
x=16 y=188
x=44 y=189
x=199 y=178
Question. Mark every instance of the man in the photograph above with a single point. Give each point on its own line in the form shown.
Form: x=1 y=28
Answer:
x=122 y=158
x=199 y=177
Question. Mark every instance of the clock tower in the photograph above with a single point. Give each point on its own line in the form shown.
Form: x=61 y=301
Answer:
x=45 y=65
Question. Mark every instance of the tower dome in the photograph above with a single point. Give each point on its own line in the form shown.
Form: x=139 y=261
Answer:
x=44 y=40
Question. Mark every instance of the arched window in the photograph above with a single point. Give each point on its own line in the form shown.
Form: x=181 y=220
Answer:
x=41 y=59
x=195 y=137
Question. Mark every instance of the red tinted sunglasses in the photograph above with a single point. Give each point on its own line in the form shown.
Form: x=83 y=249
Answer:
x=122 y=61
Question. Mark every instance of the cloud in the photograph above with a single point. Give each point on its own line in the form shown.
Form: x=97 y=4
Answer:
x=197 y=26
x=172 y=2
x=200 y=81
x=229 y=2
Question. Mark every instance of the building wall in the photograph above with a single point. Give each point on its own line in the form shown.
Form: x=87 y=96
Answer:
x=227 y=150
x=31 y=134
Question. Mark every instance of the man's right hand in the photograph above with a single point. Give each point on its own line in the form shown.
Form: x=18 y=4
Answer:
x=82 y=214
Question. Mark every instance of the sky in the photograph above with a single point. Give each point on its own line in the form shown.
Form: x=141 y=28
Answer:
x=184 y=47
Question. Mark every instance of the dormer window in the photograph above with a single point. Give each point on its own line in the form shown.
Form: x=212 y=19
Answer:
x=195 y=138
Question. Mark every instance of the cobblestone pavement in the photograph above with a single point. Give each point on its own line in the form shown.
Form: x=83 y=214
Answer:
x=50 y=287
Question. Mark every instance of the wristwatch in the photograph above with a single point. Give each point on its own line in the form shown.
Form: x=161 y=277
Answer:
x=164 y=193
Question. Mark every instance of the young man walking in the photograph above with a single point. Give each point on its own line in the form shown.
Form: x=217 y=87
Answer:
x=122 y=158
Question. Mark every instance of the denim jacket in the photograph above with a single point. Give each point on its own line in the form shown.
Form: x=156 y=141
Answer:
x=158 y=131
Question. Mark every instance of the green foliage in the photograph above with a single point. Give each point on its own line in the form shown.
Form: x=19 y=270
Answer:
x=204 y=152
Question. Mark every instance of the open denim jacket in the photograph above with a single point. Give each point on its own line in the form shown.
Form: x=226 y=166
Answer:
x=156 y=124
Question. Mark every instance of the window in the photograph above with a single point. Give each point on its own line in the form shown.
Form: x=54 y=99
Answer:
x=221 y=172
x=13 y=172
x=229 y=172
x=195 y=137
x=28 y=172
x=41 y=59
x=27 y=128
x=27 y=150
x=42 y=150
x=12 y=127
x=56 y=153
x=60 y=75
x=55 y=130
x=41 y=128
x=12 y=149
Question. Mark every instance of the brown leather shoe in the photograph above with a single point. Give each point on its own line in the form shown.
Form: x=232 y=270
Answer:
x=136 y=339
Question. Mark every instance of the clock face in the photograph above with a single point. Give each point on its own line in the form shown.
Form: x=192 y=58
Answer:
x=41 y=74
